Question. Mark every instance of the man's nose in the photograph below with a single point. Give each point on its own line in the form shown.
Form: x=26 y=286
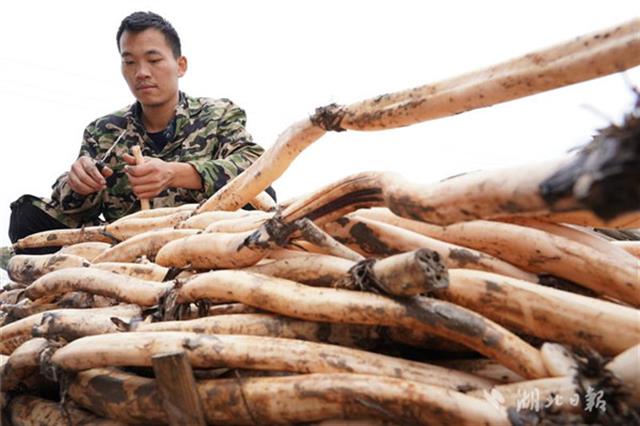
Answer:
x=142 y=72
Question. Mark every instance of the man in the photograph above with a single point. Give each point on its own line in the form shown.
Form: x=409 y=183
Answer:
x=192 y=146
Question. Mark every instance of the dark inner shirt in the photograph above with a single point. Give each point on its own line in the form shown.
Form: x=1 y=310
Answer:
x=160 y=139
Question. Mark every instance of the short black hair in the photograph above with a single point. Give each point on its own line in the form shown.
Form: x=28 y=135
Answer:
x=140 y=21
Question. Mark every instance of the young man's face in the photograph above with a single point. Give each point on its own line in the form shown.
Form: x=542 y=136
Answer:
x=149 y=67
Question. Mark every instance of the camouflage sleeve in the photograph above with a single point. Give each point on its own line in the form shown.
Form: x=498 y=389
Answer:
x=69 y=202
x=236 y=151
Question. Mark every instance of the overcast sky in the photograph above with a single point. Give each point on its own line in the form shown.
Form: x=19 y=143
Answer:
x=279 y=60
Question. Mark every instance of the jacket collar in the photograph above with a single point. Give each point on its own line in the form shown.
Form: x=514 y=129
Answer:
x=184 y=110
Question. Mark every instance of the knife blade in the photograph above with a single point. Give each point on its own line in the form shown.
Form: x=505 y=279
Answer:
x=100 y=164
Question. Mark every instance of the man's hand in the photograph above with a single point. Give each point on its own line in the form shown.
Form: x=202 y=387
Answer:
x=150 y=178
x=85 y=178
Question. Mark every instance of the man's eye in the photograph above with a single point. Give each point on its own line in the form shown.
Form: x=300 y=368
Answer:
x=128 y=62
x=155 y=61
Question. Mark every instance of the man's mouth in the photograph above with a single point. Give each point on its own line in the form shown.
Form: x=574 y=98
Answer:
x=145 y=87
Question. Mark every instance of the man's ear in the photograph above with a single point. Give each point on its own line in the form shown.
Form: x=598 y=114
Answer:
x=182 y=65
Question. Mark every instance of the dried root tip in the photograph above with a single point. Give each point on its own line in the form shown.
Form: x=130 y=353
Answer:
x=312 y=233
x=124 y=325
x=47 y=368
x=329 y=117
x=360 y=277
x=172 y=273
x=203 y=307
x=604 y=398
x=113 y=240
x=168 y=306
x=274 y=230
x=619 y=234
x=169 y=309
x=603 y=175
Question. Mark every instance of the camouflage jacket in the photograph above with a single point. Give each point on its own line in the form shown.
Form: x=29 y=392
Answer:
x=209 y=134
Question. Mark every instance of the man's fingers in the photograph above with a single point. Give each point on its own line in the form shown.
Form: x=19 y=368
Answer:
x=93 y=172
x=139 y=171
x=78 y=186
x=81 y=176
x=129 y=159
x=85 y=171
x=146 y=191
x=106 y=171
x=146 y=179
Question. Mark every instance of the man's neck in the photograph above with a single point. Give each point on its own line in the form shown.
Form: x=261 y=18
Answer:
x=156 y=118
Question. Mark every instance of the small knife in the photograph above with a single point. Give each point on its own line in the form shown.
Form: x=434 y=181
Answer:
x=101 y=163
